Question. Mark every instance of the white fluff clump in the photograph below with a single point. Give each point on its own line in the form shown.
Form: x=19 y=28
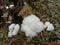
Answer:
x=13 y=30
x=7 y=7
x=11 y=6
x=49 y=26
x=32 y=26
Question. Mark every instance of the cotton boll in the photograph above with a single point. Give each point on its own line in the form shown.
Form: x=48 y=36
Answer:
x=16 y=29
x=35 y=23
x=13 y=30
x=32 y=26
x=50 y=27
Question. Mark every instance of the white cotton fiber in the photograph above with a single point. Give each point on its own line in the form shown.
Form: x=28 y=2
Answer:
x=50 y=27
x=16 y=29
x=13 y=30
x=32 y=25
x=11 y=27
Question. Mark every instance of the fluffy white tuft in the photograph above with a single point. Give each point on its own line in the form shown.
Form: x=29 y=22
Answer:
x=16 y=29
x=49 y=26
x=32 y=25
x=11 y=6
x=13 y=30
x=7 y=7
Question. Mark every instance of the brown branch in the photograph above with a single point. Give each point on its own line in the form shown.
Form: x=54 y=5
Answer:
x=10 y=43
x=6 y=38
